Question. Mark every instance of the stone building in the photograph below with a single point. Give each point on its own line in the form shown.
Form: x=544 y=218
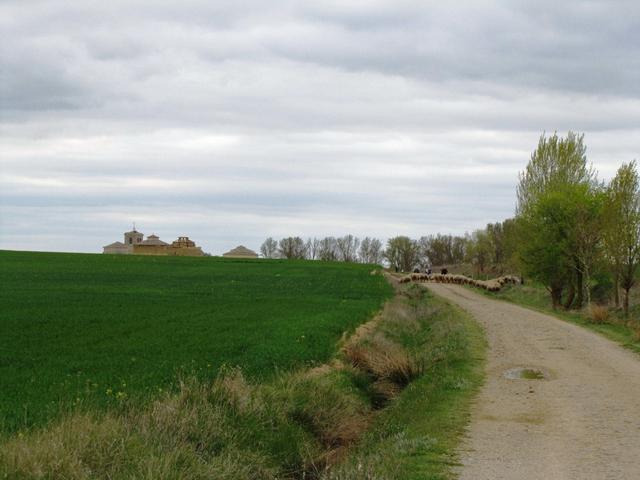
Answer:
x=240 y=252
x=130 y=239
x=134 y=244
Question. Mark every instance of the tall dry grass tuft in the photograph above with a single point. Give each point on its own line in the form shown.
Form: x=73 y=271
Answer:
x=598 y=314
x=329 y=406
x=390 y=361
x=384 y=359
x=74 y=448
x=232 y=387
x=403 y=315
x=203 y=431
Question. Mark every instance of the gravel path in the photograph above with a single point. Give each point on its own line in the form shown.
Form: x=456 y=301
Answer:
x=582 y=422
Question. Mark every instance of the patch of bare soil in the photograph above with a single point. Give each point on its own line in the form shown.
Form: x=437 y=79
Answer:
x=560 y=402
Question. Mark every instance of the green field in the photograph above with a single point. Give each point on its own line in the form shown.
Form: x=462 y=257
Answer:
x=87 y=331
x=392 y=404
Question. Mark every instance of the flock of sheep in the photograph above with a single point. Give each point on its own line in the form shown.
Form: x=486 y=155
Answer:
x=492 y=285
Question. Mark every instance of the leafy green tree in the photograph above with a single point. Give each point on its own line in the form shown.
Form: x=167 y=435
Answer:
x=555 y=162
x=458 y=246
x=442 y=249
x=480 y=250
x=586 y=203
x=402 y=253
x=622 y=228
x=434 y=249
x=559 y=212
x=544 y=253
x=511 y=242
x=495 y=238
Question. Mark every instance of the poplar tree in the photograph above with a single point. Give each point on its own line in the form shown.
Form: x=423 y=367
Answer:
x=557 y=190
x=622 y=230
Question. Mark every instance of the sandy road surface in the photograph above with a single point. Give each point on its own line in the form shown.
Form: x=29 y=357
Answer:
x=583 y=422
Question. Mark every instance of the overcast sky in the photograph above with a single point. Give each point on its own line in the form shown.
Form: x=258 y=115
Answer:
x=233 y=121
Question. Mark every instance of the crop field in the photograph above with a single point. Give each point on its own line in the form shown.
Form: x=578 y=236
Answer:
x=85 y=331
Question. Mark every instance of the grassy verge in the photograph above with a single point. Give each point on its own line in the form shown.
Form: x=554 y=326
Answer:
x=416 y=436
x=537 y=298
x=391 y=405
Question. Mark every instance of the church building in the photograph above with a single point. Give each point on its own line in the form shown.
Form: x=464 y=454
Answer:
x=135 y=244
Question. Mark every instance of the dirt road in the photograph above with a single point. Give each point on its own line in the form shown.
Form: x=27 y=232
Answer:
x=581 y=422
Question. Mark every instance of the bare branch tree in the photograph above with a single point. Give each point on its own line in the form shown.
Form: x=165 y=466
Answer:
x=328 y=250
x=269 y=249
x=370 y=251
x=313 y=248
x=348 y=248
x=292 y=248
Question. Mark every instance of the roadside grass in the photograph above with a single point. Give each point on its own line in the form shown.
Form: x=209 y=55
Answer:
x=616 y=328
x=87 y=332
x=328 y=422
x=417 y=435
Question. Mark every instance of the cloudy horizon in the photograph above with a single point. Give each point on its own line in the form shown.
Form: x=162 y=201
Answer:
x=230 y=123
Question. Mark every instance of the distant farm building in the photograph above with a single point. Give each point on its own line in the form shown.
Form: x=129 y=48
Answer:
x=134 y=244
x=130 y=239
x=240 y=252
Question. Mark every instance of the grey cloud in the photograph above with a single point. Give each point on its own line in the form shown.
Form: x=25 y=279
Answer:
x=246 y=119
x=588 y=47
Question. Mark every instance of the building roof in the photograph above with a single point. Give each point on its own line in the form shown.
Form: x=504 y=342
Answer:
x=153 y=240
x=241 y=251
x=115 y=244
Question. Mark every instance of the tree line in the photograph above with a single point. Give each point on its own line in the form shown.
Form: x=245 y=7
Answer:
x=400 y=253
x=329 y=249
x=577 y=235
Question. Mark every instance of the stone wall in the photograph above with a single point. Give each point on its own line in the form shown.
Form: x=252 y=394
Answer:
x=167 y=250
x=185 y=251
x=117 y=250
